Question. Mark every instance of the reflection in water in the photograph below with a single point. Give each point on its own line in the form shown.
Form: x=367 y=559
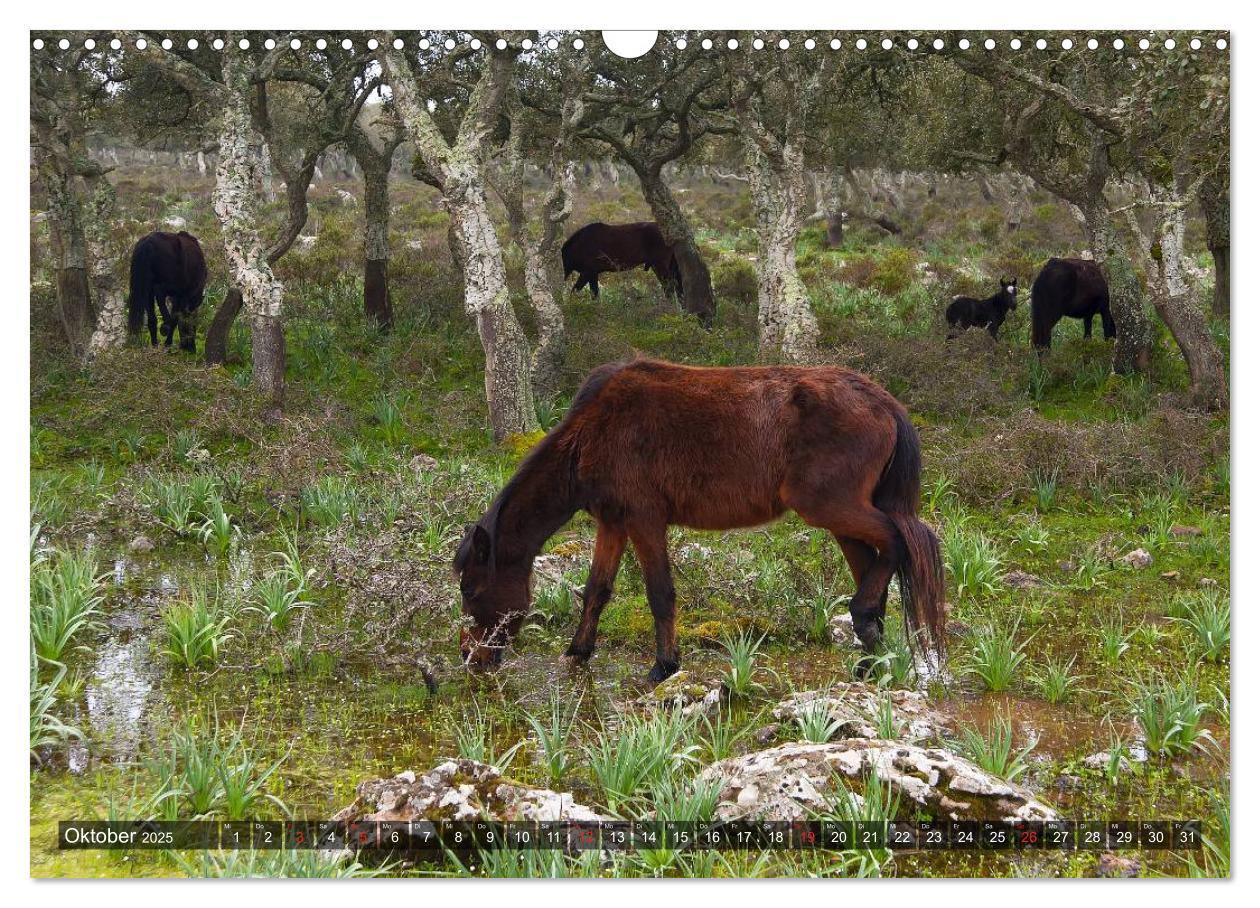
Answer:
x=117 y=693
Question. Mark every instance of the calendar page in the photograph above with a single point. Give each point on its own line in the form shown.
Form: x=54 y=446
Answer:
x=629 y=454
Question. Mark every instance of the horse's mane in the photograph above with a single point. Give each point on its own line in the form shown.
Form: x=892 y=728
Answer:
x=489 y=521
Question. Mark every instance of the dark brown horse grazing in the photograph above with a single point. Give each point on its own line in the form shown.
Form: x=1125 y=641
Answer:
x=648 y=444
x=598 y=247
x=167 y=265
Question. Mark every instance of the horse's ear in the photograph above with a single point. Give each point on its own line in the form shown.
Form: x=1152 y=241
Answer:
x=480 y=544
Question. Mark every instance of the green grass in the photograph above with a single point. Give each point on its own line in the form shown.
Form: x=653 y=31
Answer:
x=742 y=651
x=995 y=657
x=330 y=500
x=554 y=731
x=65 y=595
x=1207 y=618
x=1170 y=715
x=1055 y=680
x=196 y=630
x=47 y=729
x=992 y=748
x=815 y=724
x=276 y=601
x=972 y=559
x=627 y=760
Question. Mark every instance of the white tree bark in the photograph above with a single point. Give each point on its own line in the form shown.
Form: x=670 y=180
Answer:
x=459 y=169
x=785 y=320
x=108 y=287
x=236 y=205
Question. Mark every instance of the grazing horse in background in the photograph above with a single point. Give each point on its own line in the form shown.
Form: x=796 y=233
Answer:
x=650 y=444
x=599 y=247
x=1069 y=288
x=167 y=265
x=967 y=312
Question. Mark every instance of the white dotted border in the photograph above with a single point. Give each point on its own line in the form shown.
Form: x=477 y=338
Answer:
x=860 y=43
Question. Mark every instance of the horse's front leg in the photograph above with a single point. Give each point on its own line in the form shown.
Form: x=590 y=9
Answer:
x=651 y=545
x=610 y=543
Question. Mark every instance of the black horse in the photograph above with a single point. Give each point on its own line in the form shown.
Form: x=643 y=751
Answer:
x=1071 y=288
x=599 y=247
x=967 y=312
x=167 y=266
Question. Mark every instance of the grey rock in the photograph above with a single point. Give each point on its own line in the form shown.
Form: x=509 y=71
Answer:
x=855 y=707
x=679 y=691
x=141 y=544
x=794 y=781
x=1020 y=580
x=1138 y=559
x=461 y=790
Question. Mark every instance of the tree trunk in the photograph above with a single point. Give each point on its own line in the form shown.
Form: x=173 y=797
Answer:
x=508 y=391
x=1214 y=200
x=108 y=286
x=1134 y=337
x=377 y=305
x=236 y=203
x=221 y=327
x=1173 y=299
x=697 y=287
x=785 y=321
x=66 y=218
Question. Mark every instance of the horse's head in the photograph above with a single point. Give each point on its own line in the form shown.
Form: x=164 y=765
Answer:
x=495 y=597
x=1009 y=291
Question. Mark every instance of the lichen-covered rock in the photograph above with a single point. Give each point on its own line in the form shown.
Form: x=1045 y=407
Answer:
x=461 y=790
x=856 y=706
x=680 y=691
x=794 y=781
x=141 y=544
x=1138 y=559
x=1022 y=580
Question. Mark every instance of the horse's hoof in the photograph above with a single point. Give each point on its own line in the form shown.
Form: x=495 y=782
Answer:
x=572 y=662
x=662 y=670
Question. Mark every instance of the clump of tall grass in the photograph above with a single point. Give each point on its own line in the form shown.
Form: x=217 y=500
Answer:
x=1045 y=486
x=995 y=657
x=213 y=775
x=283 y=863
x=65 y=593
x=1113 y=640
x=49 y=502
x=554 y=731
x=277 y=601
x=1207 y=617
x=876 y=804
x=722 y=734
x=186 y=441
x=478 y=738
x=330 y=500
x=196 y=630
x=388 y=415
x=217 y=529
x=1055 y=680
x=1170 y=714
x=47 y=730
x=627 y=760
x=177 y=501
x=894 y=667
x=554 y=602
x=823 y=605
x=815 y=723
x=993 y=749
x=740 y=673
x=972 y=559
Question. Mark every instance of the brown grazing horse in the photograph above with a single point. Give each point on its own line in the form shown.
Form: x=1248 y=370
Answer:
x=648 y=444
x=167 y=265
x=599 y=247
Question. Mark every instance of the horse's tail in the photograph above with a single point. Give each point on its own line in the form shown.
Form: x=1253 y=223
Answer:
x=920 y=573
x=141 y=295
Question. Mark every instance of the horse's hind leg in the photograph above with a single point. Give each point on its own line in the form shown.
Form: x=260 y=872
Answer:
x=610 y=543
x=150 y=317
x=1089 y=325
x=168 y=323
x=651 y=546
